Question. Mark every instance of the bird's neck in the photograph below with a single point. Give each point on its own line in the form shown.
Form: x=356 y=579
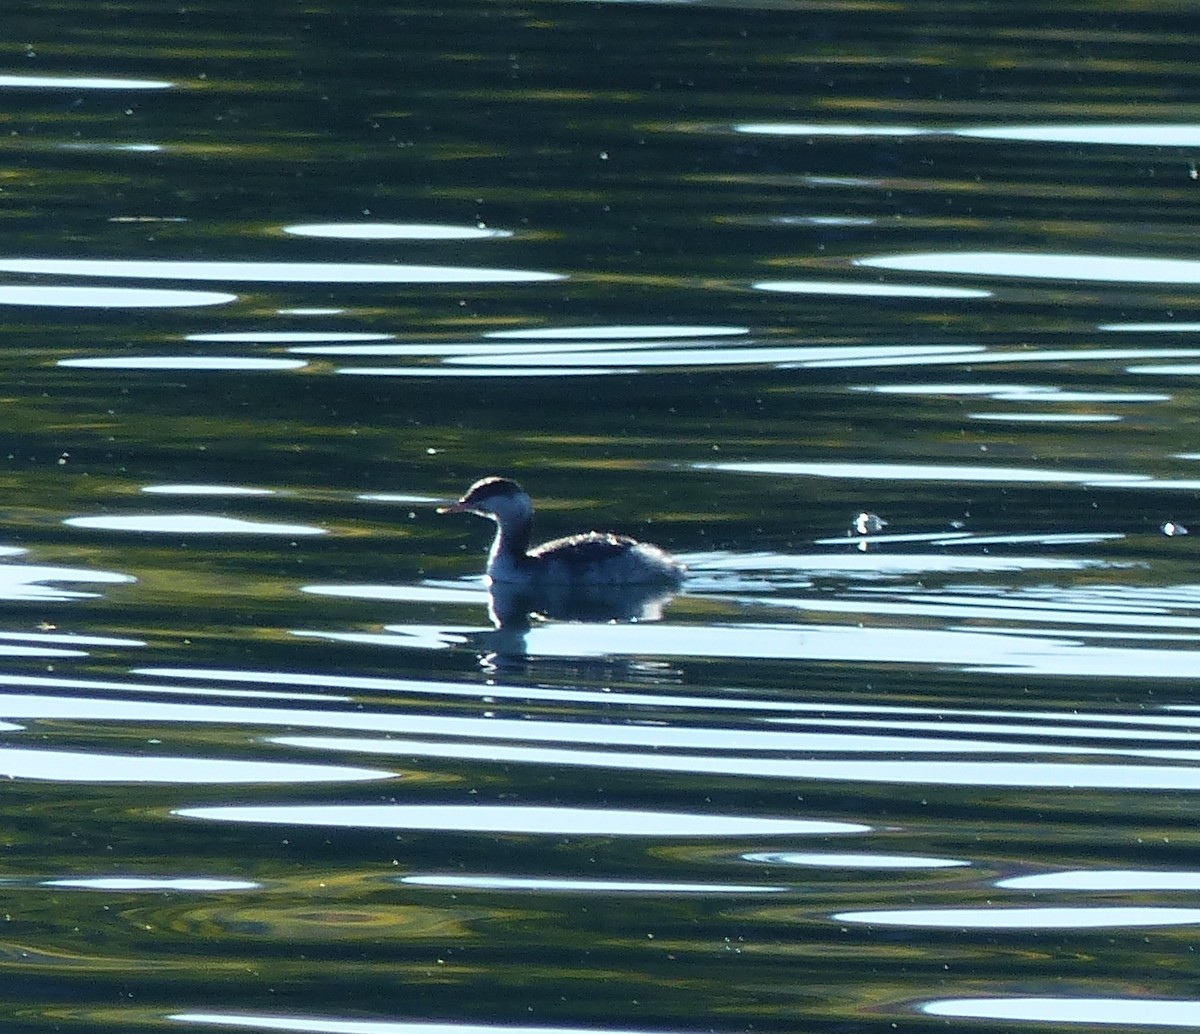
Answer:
x=511 y=543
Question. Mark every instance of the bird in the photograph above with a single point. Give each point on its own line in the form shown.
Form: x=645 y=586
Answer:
x=591 y=559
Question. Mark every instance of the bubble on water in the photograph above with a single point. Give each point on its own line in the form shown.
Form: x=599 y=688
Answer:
x=866 y=523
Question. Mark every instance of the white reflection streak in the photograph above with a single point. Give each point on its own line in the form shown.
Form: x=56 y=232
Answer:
x=1014 y=392
x=181 y=362
x=98 y=146
x=190 y=524
x=1166 y=328
x=1038 y=265
x=1010 y=729
x=835 y=860
x=1148 y=134
x=1105 y=879
x=550 y=884
x=275 y=272
x=486 y=818
x=286 y=336
x=407 y=593
x=449 y=689
x=334 y=1026
x=901 y=563
x=995 y=356
x=759 y=641
x=41 y=681
x=659 y=737
x=1000 y=651
x=686 y=738
x=941 y=773
x=1151 y=721
x=483 y=371
x=1166 y=369
x=76 y=297
x=46 y=82
x=947 y=472
x=826 y=129
x=394 y=231
x=747 y=355
x=1047 y=418
x=563 y=734
x=1138 y=1012
x=1060 y=918
x=970 y=538
x=1053 y=395
x=222 y=490
x=849 y=287
x=39 y=651
x=619 y=331
x=28 y=706
x=962 y=610
x=497 y=351
x=24 y=582
x=1105 y=661
x=928 y=472
x=172 y=884
x=78 y=767
x=71 y=640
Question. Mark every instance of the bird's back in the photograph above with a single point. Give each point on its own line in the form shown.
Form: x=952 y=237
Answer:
x=597 y=558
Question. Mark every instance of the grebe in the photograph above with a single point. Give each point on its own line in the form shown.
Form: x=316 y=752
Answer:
x=589 y=559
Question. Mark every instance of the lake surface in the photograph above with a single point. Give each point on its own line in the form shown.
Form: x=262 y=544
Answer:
x=883 y=317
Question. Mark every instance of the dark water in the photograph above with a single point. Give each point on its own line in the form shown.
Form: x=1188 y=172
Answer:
x=276 y=281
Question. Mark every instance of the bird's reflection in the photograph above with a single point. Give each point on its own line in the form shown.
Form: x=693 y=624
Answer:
x=512 y=606
x=515 y=609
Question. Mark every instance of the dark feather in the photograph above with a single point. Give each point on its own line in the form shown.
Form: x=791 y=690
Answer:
x=592 y=547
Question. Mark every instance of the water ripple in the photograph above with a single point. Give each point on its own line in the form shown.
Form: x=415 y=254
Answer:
x=190 y=524
x=1105 y=1012
x=275 y=272
x=1093 y=917
x=556 y=821
x=394 y=231
x=1037 y=265
x=553 y=885
x=330 y=1025
x=79 y=767
x=75 y=297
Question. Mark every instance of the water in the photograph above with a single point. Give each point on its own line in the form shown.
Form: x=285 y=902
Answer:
x=880 y=316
